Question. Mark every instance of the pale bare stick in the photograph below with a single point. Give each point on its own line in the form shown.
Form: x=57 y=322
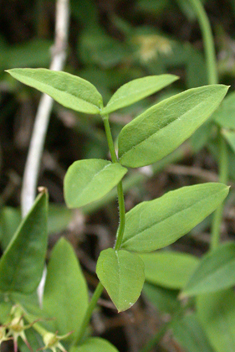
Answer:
x=36 y=146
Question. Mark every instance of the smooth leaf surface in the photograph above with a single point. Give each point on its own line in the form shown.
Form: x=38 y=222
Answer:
x=136 y=90
x=66 y=294
x=158 y=223
x=162 y=128
x=70 y=91
x=189 y=333
x=165 y=300
x=59 y=217
x=215 y=272
x=216 y=312
x=122 y=275
x=230 y=137
x=22 y=263
x=89 y=180
x=169 y=269
x=225 y=115
x=94 y=344
x=10 y=220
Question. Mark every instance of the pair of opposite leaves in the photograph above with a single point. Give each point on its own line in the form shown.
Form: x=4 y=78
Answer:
x=148 y=138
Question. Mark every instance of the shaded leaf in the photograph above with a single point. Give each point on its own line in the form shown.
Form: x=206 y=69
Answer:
x=66 y=295
x=59 y=216
x=94 y=344
x=189 y=333
x=157 y=223
x=216 y=312
x=163 y=299
x=162 y=128
x=22 y=263
x=89 y=180
x=70 y=91
x=230 y=137
x=10 y=220
x=169 y=269
x=122 y=275
x=136 y=90
x=225 y=115
x=216 y=271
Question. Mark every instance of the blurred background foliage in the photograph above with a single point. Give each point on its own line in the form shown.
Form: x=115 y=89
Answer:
x=110 y=43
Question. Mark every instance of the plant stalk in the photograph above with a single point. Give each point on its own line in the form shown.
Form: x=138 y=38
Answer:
x=121 y=202
x=91 y=307
x=207 y=40
x=119 y=237
x=213 y=79
x=223 y=178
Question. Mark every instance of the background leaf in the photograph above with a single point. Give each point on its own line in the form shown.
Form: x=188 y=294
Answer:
x=163 y=299
x=70 y=91
x=216 y=312
x=156 y=224
x=162 y=128
x=122 y=275
x=21 y=265
x=136 y=90
x=65 y=296
x=215 y=272
x=225 y=115
x=189 y=333
x=89 y=180
x=230 y=137
x=169 y=269
x=94 y=344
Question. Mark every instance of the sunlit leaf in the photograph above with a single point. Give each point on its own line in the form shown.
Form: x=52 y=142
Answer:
x=70 y=91
x=122 y=275
x=162 y=128
x=157 y=223
x=136 y=90
x=89 y=180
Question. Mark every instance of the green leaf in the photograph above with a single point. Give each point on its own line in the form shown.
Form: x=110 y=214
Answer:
x=230 y=137
x=136 y=90
x=215 y=272
x=225 y=115
x=189 y=333
x=22 y=263
x=70 y=91
x=160 y=222
x=10 y=220
x=94 y=344
x=65 y=296
x=163 y=299
x=122 y=275
x=216 y=312
x=89 y=180
x=59 y=217
x=169 y=269
x=162 y=128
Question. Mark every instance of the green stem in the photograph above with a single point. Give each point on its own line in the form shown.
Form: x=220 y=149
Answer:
x=223 y=178
x=208 y=41
x=213 y=79
x=91 y=307
x=155 y=340
x=121 y=202
x=120 y=232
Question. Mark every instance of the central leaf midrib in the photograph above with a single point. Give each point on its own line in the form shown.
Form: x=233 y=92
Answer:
x=92 y=180
x=166 y=218
x=151 y=135
x=65 y=92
